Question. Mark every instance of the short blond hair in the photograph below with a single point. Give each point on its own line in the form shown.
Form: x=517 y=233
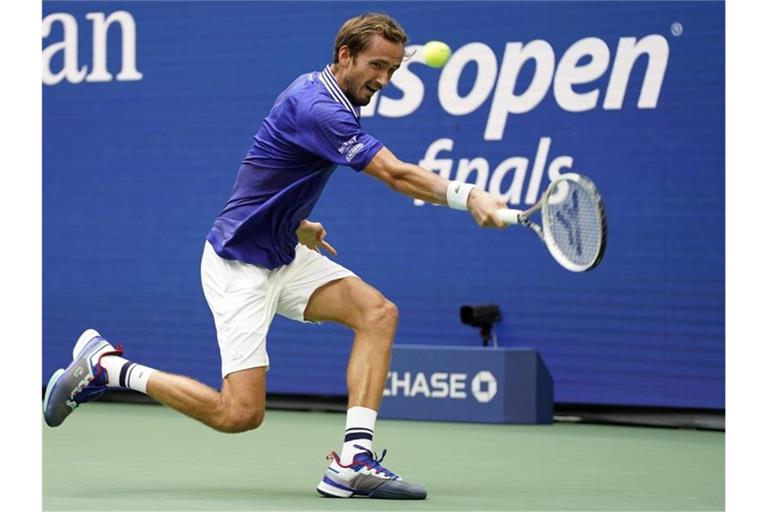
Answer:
x=356 y=33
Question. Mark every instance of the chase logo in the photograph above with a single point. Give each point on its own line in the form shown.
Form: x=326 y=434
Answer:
x=441 y=385
x=484 y=386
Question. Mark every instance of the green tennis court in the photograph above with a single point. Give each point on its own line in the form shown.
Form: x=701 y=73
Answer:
x=110 y=456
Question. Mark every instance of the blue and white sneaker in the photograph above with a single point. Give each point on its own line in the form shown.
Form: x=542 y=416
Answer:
x=82 y=381
x=365 y=476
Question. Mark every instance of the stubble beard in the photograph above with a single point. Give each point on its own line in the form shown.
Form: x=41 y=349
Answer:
x=348 y=86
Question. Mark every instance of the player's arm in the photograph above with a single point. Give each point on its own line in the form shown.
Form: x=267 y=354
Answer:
x=419 y=183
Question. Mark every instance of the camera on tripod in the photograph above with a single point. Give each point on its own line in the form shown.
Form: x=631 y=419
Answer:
x=482 y=316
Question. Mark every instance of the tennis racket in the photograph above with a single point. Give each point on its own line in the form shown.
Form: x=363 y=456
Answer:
x=573 y=224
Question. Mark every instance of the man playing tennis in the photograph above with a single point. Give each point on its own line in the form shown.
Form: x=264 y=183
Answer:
x=263 y=257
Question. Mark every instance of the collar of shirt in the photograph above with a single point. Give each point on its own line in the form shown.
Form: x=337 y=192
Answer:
x=330 y=83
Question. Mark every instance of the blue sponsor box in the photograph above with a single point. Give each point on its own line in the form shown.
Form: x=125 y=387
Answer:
x=474 y=384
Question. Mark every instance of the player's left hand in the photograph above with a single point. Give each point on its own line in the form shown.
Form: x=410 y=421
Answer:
x=312 y=235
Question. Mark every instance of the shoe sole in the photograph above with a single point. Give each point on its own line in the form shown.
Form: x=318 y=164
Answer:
x=49 y=389
x=82 y=341
x=399 y=491
x=326 y=495
x=331 y=489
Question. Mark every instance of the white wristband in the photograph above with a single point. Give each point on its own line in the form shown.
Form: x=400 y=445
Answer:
x=458 y=194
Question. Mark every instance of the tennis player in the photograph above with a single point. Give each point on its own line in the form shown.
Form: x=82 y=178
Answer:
x=262 y=256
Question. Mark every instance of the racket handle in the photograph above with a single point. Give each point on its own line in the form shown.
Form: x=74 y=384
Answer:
x=510 y=216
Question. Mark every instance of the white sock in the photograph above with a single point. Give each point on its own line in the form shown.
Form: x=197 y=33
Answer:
x=360 y=426
x=121 y=373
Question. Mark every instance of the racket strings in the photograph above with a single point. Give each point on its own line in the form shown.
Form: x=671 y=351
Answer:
x=575 y=223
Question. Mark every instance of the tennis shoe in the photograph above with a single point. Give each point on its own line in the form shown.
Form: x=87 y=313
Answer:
x=80 y=382
x=365 y=476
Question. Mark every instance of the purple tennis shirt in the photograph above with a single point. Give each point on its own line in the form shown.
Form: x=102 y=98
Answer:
x=311 y=129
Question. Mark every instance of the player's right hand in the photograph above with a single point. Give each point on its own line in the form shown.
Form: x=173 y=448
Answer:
x=484 y=208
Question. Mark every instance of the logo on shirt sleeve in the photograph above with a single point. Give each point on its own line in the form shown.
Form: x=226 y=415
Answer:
x=345 y=147
x=351 y=148
x=355 y=150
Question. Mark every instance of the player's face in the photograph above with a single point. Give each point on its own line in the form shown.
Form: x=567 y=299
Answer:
x=370 y=70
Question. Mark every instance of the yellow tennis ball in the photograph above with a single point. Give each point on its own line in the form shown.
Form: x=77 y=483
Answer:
x=436 y=54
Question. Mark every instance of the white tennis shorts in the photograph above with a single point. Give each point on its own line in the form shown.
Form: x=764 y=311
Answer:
x=244 y=299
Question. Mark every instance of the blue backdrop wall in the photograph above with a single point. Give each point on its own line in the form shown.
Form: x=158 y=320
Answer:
x=148 y=108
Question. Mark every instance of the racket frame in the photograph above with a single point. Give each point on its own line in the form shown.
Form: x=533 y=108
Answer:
x=544 y=232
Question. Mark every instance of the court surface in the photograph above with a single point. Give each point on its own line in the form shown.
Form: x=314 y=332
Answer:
x=110 y=456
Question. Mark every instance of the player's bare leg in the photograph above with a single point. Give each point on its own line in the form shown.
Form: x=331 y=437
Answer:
x=373 y=318
x=97 y=365
x=238 y=407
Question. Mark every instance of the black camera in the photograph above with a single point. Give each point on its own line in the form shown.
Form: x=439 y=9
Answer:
x=482 y=316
